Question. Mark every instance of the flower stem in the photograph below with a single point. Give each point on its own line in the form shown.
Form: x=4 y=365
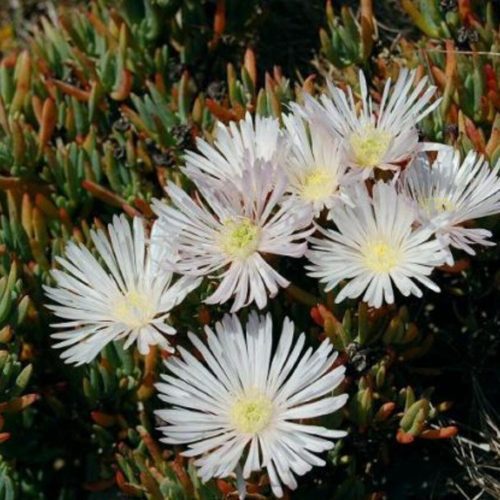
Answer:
x=301 y=295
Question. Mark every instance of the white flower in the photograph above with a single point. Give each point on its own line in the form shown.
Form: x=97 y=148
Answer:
x=235 y=144
x=315 y=168
x=123 y=298
x=375 y=247
x=380 y=136
x=244 y=399
x=450 y=193
x=234 y=229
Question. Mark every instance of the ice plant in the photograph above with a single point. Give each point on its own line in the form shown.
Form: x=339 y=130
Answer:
x=449 y=193
x=99 y=102
x=251 y=139
x=377 y=136
x=229 y=234
x=241 y=404
x=125 y=297
x=376 y=246
x=314 y=165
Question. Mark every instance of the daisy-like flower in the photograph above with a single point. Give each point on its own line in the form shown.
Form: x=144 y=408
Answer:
x=123 y=298
x=247 y=140
x=243 y=404
x=315 y=168
x=376 y=137
x=229 y=235
x=450 y=193
x=375 y=248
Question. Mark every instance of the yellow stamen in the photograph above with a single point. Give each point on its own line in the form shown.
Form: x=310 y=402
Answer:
x=133 y=309
x=380 y=257
x=251 y=414
x=240 y=238
x=369 y=146
x=437 y=204
x=318 y=185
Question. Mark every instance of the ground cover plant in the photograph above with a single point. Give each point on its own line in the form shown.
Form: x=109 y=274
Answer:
x=247 y=249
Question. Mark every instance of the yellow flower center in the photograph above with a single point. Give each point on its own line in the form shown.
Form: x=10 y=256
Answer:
x=437 y=204
x=251 y=414
x=380 y=257
x=133 y=309
x=369 y=146
x=240 y=238
x=318 y=185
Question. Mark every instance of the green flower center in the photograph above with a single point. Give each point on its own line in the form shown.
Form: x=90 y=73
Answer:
x=240 y=238
x=318 y=185
x=381 y=257
x=251 y=414
x=369 y=146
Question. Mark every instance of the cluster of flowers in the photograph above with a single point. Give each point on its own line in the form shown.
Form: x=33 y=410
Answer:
x=345 y=183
